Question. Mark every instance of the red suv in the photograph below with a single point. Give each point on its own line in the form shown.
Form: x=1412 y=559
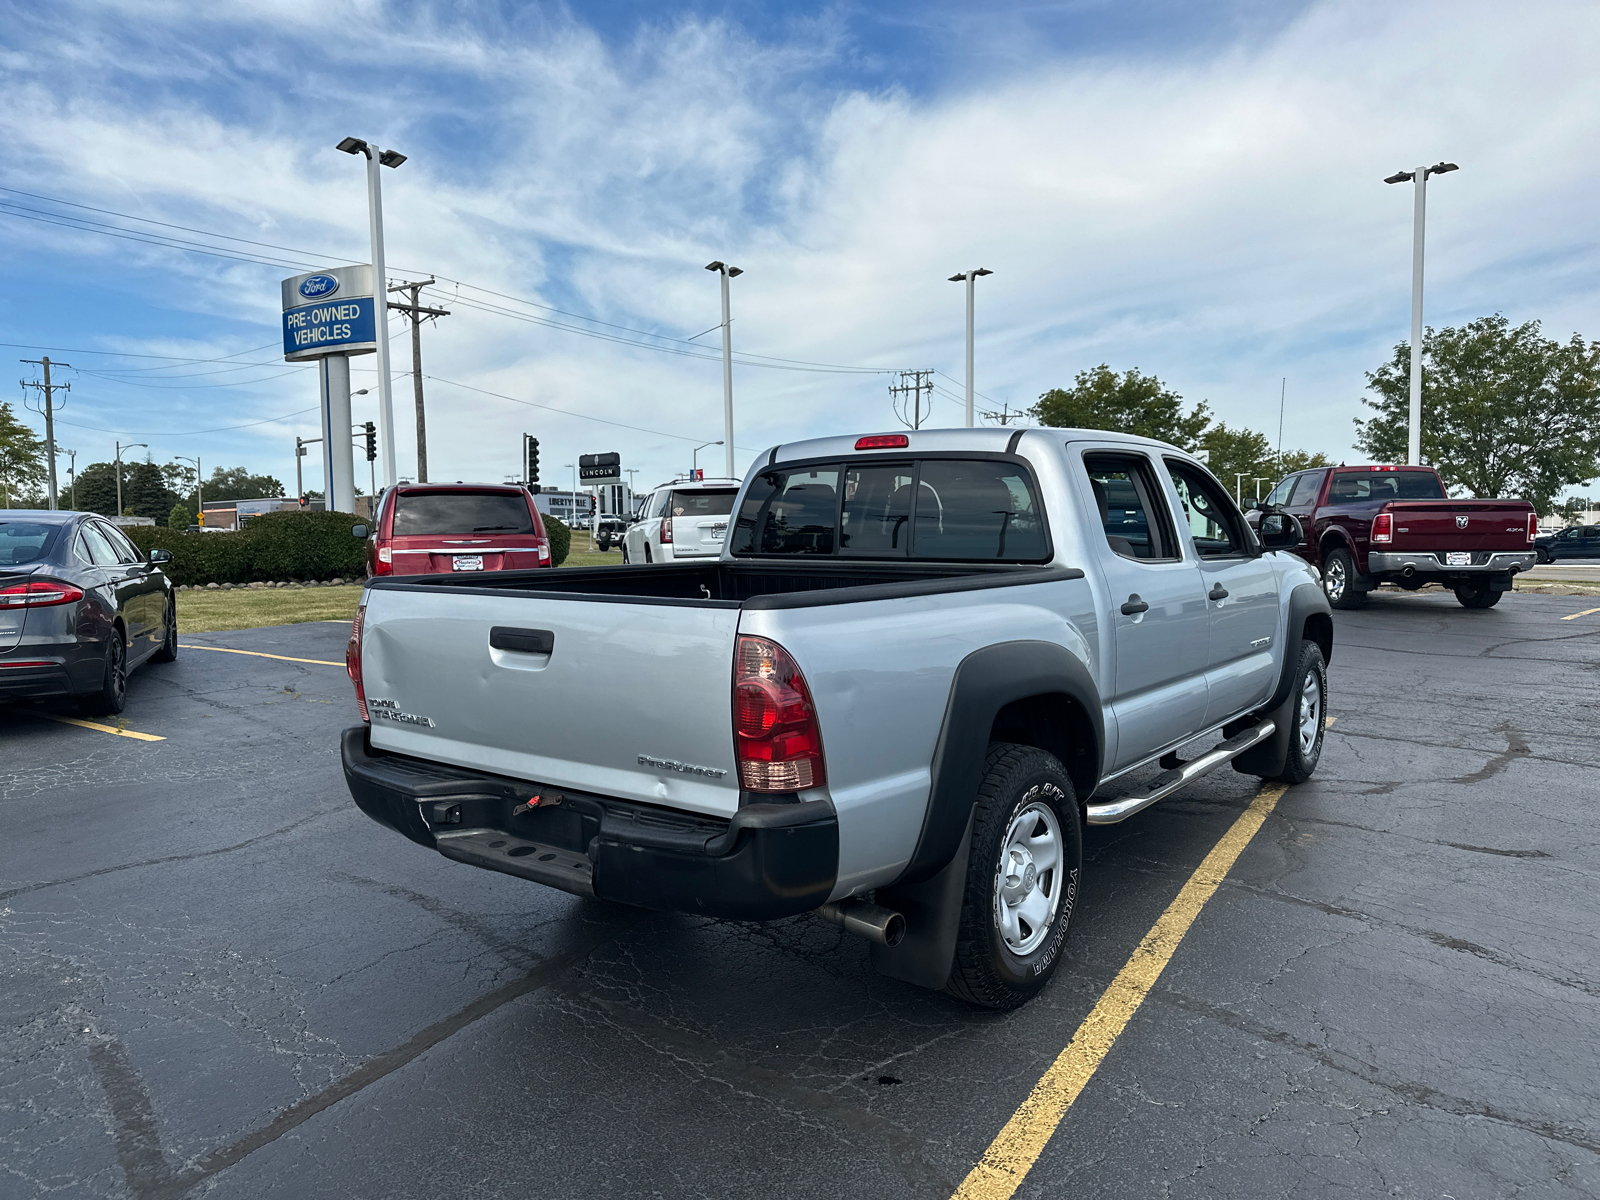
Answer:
x=435 y=528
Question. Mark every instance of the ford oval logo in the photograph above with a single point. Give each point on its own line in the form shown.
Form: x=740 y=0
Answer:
x=318 y=286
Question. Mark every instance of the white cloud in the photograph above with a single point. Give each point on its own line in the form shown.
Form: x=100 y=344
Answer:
x=1217 y=218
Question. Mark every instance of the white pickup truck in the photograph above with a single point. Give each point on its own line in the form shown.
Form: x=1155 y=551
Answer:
x=923 y=662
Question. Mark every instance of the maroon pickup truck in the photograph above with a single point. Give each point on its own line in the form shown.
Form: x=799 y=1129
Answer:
x=1369 y=525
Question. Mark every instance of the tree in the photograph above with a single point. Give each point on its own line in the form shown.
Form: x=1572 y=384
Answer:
x=22 y=465
x=179 y=518
x=97 y=488
x=145 y=492
x=236 y=483
x=1301 y=460
x=1505 y=412
x=1127 y=403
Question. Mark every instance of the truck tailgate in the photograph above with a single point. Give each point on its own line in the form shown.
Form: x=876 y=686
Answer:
x=1445 y=525
x=626 y=699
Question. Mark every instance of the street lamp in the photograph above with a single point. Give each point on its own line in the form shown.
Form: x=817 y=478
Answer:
x=120 y=449
x=1419 y=178
x=970 y=278
x=375 y=159
x=694 y=459
x=199 y=496
x=725 y=272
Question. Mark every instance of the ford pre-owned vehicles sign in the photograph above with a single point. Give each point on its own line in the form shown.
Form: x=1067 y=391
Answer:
x=331 y=311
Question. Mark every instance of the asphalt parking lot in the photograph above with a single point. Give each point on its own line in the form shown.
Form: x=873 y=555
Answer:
x=221 y=979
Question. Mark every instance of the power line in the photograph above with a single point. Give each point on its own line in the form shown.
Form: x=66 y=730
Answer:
x=189 y=432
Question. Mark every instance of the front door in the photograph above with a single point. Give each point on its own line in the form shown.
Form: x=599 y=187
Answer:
x=1158 y=609
x=1241 y=590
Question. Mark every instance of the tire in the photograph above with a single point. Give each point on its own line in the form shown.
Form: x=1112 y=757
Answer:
x=1307 y=708
x=113 y=693
x=1338 y=580
x=647 y=552
x=1478 y=597
x=1025 y=802
x=1541 y=556
x=624 y=553
x=169 y=646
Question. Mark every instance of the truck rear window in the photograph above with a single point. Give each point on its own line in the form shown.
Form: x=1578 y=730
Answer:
x=1385 y=485
x=954 y=510
x=428 y=514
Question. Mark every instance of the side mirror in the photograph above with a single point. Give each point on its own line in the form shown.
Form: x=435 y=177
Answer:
x=359 y=531
x=1280 y=531
x=159 y=555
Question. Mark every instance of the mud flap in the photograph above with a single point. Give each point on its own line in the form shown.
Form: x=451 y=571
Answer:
x=1267 y=759
x=932 y=909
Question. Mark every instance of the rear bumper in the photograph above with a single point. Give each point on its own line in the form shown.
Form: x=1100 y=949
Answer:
x=1395 y=563
x=34 y=676
x=769 y=861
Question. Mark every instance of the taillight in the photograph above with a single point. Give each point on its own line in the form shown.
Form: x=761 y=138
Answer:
x=1533 y=527
x=775 y=734
x=352 y=661
x=666 y=530
x=1383 y=527
x=39 y=593
x=385 y=563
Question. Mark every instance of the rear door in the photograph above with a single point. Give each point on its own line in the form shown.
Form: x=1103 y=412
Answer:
x=454 y=529
x=700 y=519
x=1158 y=607
x=1241 y=590
x=622 y=698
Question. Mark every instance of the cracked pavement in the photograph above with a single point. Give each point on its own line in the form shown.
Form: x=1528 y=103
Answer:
x=220 y=979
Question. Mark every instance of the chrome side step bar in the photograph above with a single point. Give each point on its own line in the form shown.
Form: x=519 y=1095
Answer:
x=1164 y=784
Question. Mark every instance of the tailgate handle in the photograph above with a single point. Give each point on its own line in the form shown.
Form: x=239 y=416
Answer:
x=528 y=641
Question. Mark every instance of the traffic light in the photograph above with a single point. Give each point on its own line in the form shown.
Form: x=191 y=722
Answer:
x=532 y=445
x=371 y=431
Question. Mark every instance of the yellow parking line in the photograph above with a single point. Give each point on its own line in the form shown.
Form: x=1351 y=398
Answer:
x=1012 y=1154
x=1328 y=724
x=321 y=662
x=1585 y=613
x=95 y=725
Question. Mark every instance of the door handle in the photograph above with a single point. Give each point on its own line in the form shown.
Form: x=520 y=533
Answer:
x=1133 y=606
x=526 y=641
x=1218 y=592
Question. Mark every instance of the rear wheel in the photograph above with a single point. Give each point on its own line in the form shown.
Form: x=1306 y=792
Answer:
x=1022 y=879
x=169 y=645
x=113 y=693
x=624 y=553
x=1541 y=555
x=1339 y=580
x=1478 y=597
x=647 y=552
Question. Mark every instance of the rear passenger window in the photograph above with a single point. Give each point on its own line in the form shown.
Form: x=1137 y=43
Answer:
x=876 y=518
x=970 y=510
x=1131 y=512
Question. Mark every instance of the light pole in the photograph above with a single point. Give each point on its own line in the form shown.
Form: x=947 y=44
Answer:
x=725 y=272
x=971 y=278
x=1238 y=487
x=380 y=283
x=1419 y=178
x=199 y=496
x=1260 y=479
x=72 y=473
x=120 y=449
x=694 y=459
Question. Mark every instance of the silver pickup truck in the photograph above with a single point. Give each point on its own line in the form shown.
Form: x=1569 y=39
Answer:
x=923 y=662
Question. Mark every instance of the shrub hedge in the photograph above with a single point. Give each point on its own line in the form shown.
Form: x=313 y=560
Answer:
x=560 y=538
x=284 y=545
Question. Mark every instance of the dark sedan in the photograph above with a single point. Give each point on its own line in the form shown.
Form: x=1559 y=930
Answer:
x=80 y=607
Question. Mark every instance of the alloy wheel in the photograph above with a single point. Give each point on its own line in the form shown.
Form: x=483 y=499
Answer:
x=1027 y=890
x=1310 y=712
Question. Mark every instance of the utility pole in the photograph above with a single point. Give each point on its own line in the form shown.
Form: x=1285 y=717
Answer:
x=1005 y=416
x=49 y=389
x=919 y=381
x=1418 y=178
x=971 y=278
x=120 y=449
x=726 y=273
x=416 y=312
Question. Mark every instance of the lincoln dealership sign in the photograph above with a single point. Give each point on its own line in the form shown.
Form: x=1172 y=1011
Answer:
x=329 y=312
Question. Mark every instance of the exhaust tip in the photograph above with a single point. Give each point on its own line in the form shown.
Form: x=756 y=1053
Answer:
x=871 y=921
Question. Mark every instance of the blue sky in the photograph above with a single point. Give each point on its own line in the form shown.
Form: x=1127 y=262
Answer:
x=1191 y=189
